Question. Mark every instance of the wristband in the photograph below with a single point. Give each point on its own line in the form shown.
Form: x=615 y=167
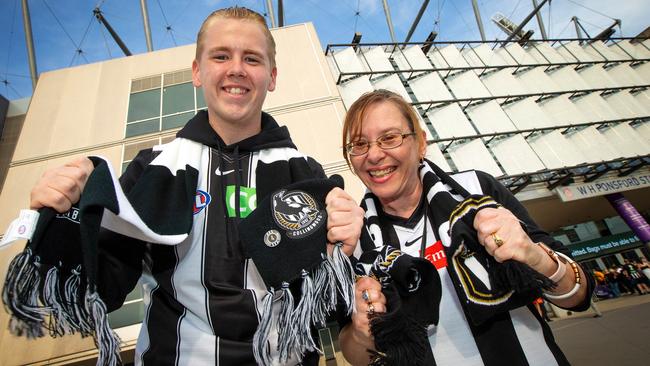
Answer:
x=576 y=272
x=561 y=267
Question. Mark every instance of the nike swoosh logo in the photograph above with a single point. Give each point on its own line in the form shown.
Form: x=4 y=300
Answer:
x=409 y=243
x=219 y=172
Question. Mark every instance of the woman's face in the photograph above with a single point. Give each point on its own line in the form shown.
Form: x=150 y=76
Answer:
x=390 y=174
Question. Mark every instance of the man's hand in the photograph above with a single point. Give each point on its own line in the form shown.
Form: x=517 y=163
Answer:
x=344 y=219
x=61 y=187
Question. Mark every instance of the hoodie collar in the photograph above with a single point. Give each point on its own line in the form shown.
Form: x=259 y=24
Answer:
x=272 y=135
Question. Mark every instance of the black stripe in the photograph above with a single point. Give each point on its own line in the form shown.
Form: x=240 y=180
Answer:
x=163 y=336
x=497 y=342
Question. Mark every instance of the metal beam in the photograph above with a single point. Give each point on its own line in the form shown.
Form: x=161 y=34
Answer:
x=479 y=21
x=145 y=23
x=280 y=13
x=389 y=21
x=27 y=25
x=98 y=14
x=269 y=6
x=540 y=22
x=417 y=20
x=525 y=21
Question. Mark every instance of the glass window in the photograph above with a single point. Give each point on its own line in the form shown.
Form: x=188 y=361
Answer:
x=144 y=105
x=176 y=120
x=142 y=127
x=132 y=312
x=178 y=98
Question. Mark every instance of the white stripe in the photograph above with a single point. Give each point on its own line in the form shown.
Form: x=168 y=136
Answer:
x=531 y=338
x=269 y=156
x=149 y=286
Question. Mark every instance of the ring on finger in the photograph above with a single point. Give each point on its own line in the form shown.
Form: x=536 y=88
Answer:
x=497 y=240
x=365 y=295
x=371 y=309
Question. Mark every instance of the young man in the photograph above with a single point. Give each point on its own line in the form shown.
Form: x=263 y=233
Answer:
x=202 y=295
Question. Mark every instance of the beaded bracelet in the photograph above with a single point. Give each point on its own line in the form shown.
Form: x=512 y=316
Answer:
x=561 y=267
x=576 y=272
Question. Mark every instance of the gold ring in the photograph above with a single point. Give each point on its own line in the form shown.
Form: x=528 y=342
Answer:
x=497 y=240
x=371 y=309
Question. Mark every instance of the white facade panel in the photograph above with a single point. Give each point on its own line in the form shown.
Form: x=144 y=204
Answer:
x=643 y=130
x=643 y=100
x=467 y=85
x=449 y=121
x=596 y=77
x=376 y=59
x=573 y=51
x=434 y=154
x=562 y=111
x=535 y=80
x=625 y=105
x=447 y=56
x=593 y=145
x=628 y=75
x=428 y=87
x=474 y=155
x=543 y=53
x=490 y=118
x=595 y=108
x=516 y=156
x=626 y=140
x=392 y=83
x=502 y=82
x=346 y=60
x=567 y=79
x=609 y=53
x=555 y=150
x=411 y=58
x=351 y=90
x=526 y=114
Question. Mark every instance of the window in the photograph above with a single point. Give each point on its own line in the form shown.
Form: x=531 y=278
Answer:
x=162 y=102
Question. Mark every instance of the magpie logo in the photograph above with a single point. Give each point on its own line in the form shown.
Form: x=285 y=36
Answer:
x=296 y=212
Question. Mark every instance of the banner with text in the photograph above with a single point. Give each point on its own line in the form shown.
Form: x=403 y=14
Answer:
x=603 y=186
x=603 y=246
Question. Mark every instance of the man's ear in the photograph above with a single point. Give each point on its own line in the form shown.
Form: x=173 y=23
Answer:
x=274 y=75
x=196 y=80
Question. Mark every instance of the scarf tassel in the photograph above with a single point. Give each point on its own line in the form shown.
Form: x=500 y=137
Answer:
x=302 y=316
x=20 y=295
x=325 y=283
x=261 y=347
x=106 y=340
x=344 y=276
x=286 y=334
x=59 y=321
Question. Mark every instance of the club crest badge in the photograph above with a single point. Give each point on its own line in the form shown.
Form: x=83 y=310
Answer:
x=297 y=212
x=272 y=238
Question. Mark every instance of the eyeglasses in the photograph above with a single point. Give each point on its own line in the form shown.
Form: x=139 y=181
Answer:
x=385 y=142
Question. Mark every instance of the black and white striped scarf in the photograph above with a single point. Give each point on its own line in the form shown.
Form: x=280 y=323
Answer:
x=51 y=286
x=450 y=208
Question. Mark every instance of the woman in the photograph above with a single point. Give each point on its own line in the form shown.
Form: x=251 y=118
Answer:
x=385 y=146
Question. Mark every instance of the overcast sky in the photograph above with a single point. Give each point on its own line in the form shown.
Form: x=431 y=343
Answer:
x=66 y=33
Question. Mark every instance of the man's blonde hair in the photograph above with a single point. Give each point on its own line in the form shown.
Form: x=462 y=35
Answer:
x=239 y=13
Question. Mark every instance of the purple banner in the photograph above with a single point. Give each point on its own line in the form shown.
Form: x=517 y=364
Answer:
x=630 y=215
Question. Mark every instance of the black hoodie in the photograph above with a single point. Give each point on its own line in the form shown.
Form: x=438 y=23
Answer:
x=201 y=296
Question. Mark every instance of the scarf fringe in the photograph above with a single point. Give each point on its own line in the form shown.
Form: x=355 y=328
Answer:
x=37 y=304
x=512 y=275
x=261 y=347
x=344 y=276
x=20 y=296
x=319 y=290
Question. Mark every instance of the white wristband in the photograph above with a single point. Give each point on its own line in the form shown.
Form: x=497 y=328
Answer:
x=575 y=288
x=561 y=267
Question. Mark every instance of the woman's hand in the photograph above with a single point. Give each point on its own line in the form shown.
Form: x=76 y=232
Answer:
x=356 y=338
x=344 y=220
x=61 y=187
x=502 y=235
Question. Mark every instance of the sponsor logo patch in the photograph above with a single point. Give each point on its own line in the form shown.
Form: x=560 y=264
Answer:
x=201 y=200
x=247 y=200
x=436 y=255
x=297 y=212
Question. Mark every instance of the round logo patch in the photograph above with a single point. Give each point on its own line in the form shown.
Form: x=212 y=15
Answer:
x=272 y=238
x=297 y=212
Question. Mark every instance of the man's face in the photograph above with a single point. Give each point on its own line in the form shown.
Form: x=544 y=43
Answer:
x=235 y=72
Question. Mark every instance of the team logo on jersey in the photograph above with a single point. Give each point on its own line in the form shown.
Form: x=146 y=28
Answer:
x=296 y=212
x=201 y=200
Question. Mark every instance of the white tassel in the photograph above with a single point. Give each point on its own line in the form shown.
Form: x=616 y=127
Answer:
x=52 y=298
x=74 y=308
x=106 y=340
x=344 y=276
x=261 y=348
x=286 y=332
x=325 y=286
x=302 y=316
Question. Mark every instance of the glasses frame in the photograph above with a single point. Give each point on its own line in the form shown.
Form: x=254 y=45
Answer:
x=348 y=146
